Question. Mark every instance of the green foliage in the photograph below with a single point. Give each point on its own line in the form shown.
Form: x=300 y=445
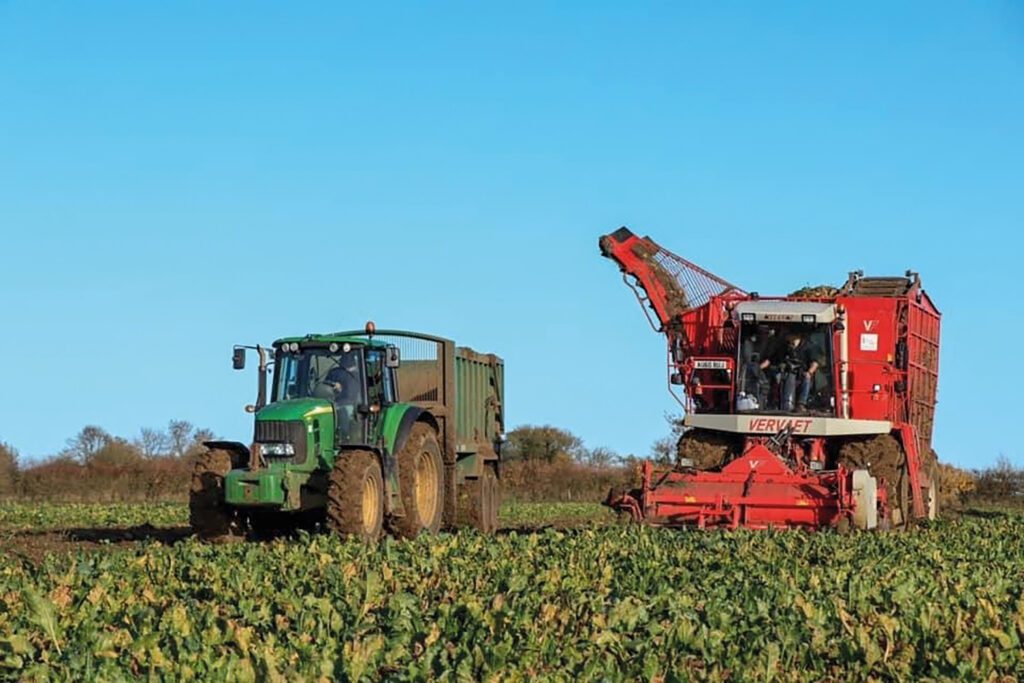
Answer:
x=610 y=603
x=539 y=514
x=44 y=516
x=543 y=443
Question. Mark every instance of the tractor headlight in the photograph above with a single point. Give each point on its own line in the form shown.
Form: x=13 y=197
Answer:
x=278 y=450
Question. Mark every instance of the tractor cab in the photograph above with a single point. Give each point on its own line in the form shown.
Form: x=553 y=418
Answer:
x=784 y=362
x=356 y=377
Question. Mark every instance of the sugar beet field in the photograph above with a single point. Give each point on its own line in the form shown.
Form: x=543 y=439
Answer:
x=562 y=593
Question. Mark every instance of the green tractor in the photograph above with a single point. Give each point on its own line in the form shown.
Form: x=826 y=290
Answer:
x=366 y=432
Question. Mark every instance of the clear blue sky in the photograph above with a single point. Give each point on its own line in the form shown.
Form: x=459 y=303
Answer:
x=177 y=177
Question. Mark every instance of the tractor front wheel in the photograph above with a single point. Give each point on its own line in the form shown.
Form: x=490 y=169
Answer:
x=355 y=496
x=421 y=483
x=212 y=520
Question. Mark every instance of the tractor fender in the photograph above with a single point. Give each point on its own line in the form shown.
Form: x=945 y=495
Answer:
x=410 y=417
x=236 y=449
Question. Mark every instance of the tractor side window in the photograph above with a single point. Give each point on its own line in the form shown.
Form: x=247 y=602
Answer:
x=378 y=389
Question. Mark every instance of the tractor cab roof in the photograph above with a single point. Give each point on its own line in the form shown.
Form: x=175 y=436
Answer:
x=322 y=339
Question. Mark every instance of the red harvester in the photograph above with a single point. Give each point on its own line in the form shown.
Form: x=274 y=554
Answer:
x=807 y=411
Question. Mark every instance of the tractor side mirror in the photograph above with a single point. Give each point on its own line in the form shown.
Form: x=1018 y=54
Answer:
x=677 y=379
x=394 y=357
x=238 y=359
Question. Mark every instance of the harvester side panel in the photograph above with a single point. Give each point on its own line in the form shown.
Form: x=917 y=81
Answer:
x=871 y=337
x=923 y=366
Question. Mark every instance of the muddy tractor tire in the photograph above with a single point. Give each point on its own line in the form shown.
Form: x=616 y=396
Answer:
x=211 y=519
x=421 y=480
x=355 y=496
x=480 y=501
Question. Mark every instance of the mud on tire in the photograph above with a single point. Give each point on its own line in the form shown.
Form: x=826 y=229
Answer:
x=355 y=496
x=421 y=483
x=210 y=518
x=884 y=457
x=707 y=450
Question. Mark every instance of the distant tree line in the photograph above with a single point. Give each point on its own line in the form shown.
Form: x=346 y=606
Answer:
x=96 y=465
x=539 y=463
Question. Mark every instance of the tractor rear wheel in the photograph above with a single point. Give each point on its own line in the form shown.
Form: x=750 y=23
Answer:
x=480 y=501
x=355 y=496
x=212 y=520
x=421 y=480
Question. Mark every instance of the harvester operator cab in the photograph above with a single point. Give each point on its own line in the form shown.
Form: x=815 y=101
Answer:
x=784 y=363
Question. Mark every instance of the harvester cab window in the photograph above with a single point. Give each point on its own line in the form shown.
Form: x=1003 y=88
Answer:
x=774 y=362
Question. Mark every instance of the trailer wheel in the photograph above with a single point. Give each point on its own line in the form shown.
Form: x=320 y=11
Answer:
x=211 y=519
x=480 y=501
x=355 y=496
x=421 y=480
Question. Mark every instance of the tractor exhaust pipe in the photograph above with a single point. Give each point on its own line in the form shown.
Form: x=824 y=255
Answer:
x=261 y=392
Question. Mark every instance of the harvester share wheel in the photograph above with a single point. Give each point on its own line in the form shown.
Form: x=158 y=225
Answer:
x=931 y=493
x=211 y=519
x=883 y=456
x=479 y=501
x=355 y=496
x=421 y=480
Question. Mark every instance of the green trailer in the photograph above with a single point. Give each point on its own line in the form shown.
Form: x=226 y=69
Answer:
x=367 y=431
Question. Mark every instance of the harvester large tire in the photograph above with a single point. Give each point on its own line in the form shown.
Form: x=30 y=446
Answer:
x=884 y=457
x=211 y=519
x=706 y=450
x=355 y=496
x=904 y=502
x=421 y=480
x=480 y=501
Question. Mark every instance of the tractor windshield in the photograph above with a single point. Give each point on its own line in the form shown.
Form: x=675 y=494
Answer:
x=318 y=373
x=785 y=368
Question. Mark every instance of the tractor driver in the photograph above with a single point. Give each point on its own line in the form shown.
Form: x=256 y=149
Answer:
x=797 y=362
x=342 y=380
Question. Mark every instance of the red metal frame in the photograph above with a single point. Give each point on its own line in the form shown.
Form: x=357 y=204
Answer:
x=885 y=369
